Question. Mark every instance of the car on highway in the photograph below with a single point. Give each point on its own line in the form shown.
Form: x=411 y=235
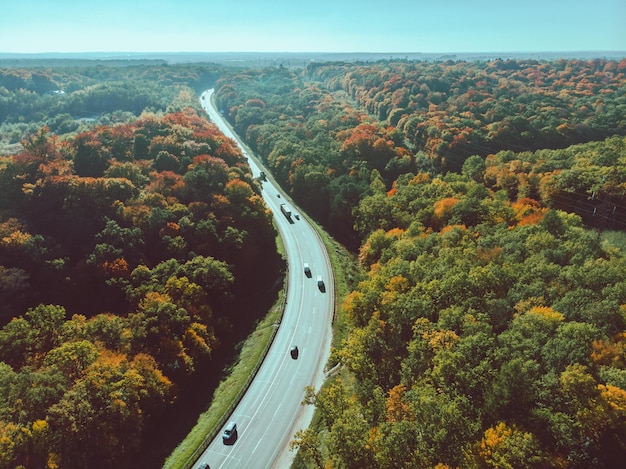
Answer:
x=294 y=352
x=270 y=412
x=307 y=270
x=320 y=283
x=230 y=432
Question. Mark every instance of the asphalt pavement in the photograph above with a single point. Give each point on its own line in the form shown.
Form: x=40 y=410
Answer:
x=270 y=412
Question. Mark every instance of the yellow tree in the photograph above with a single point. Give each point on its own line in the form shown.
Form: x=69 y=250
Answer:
x=506 y=447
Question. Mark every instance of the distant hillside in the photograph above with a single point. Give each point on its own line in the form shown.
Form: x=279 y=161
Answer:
x=263 y=59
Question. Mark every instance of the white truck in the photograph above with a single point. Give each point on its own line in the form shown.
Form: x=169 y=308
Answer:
x=286 y=211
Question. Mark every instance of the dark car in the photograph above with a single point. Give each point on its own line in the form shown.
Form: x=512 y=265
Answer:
x=294 y=352
x=320 y=283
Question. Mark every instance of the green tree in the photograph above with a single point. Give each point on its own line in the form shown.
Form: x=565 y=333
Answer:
x=350 y=440
x=474 y=168
x=72 y=358
x=570 y=344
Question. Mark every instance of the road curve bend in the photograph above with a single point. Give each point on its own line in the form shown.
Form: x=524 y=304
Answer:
x=270 y=412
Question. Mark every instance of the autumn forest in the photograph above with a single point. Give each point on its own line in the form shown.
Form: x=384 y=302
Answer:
x=125 y=251
x=483 y=205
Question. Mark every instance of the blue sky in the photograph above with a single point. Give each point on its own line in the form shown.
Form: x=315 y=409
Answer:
x=312 y=26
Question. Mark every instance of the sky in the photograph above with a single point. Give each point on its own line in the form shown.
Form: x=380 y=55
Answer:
x=435 y=26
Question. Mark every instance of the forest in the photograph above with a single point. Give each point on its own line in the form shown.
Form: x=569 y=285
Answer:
x=486 y=205
x=126 y=258
x=328 y=131
x=72 y=96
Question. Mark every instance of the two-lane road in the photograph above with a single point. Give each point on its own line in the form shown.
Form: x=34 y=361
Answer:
x=270 y=412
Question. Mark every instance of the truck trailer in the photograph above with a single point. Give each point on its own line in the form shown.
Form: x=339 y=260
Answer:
x=286 y=211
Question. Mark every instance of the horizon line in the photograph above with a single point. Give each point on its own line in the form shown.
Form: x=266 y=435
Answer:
x=554 y=51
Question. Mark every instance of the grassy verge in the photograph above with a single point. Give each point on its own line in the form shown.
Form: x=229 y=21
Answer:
x=347 y=274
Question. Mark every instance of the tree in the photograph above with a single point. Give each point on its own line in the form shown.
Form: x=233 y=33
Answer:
x=374 y=212
x=306 y=442
x=212 y=275
x=474 y=168
x=13 y=443
x=510 y=448
x=98 y=421
x=514 y=390
x=206 y=175
x=350 y=439
x=91 y=159
x=45 y=323
x=160 y=329
x=72 y=358
x=571 y=344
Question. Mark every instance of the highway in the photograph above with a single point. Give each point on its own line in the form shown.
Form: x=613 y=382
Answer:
x=270 y=412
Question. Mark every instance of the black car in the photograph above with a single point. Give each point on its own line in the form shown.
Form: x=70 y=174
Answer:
x=294 y=352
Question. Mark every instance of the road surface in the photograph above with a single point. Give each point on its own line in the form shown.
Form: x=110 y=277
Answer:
x=270 y=412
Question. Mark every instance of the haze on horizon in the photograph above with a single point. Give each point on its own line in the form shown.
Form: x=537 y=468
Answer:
x=39 y=26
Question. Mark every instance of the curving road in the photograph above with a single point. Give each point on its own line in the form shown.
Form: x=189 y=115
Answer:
x=270 y=412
